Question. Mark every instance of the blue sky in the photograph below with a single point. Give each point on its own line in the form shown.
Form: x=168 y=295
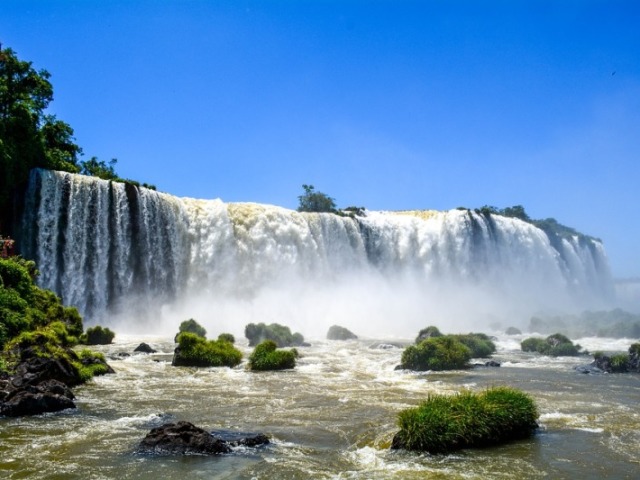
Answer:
x=384 y=104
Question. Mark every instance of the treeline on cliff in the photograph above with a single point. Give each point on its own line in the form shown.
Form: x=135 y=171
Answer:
x=31 y=137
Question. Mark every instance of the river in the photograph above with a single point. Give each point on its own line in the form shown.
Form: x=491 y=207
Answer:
x=333 y=417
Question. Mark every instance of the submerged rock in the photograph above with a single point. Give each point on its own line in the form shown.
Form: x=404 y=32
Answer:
x=144 y=348
x=184 y=438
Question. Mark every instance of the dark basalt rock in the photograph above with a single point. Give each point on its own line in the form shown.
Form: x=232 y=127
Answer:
x=184 y=438
x=47 y=396
x=588 y=369
x=144 y=348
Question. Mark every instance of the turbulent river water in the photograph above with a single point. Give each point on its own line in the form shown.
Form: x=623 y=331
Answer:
x=331 y=417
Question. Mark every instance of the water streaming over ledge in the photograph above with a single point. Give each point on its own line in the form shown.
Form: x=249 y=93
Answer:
x=110 y=247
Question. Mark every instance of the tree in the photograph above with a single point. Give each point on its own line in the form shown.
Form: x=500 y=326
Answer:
x=98 y=168
x=28 y=137
x=313 y=201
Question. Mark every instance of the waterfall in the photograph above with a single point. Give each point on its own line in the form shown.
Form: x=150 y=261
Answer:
x=114 y=249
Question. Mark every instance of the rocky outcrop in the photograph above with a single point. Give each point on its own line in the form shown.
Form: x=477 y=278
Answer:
x=337 y=332
x=144 y=348
x=184 y=438
x=46 y=396
x=42 y=384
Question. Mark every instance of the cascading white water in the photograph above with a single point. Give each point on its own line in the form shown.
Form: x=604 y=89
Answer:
x=106 y=247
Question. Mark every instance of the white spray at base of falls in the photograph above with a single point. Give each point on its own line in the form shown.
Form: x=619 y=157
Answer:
x=118 y=251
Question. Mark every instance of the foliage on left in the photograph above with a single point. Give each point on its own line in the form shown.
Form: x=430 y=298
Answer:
x=30 y=137
x=33 y=321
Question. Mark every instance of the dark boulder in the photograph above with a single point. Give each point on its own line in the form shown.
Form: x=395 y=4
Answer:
x=34 y=369
x=184 y=438
x=144 y=348
x=47 y=396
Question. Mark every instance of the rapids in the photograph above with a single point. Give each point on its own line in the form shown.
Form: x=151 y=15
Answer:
x=332 y=417
x=115 y=250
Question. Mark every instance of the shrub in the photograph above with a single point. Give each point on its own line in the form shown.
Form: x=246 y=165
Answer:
x=281 y=335
x=191 y=326
x=619 y=363
x=227 y=337
x=430 y=331
x=556 y=345
x=437 y=353
x=480 y=344
x=634 y=349
x=266 y=357
x=444 y=424
x=97 y=336
x=337 y=332
x=195 y=351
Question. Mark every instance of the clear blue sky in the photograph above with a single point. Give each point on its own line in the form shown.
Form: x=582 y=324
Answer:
x=383 y=104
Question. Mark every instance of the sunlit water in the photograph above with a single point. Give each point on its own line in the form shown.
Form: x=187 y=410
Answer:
x=332 y=417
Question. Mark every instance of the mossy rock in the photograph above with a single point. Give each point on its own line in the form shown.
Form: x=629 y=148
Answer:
x=429 y=332
x=556 y=345
x=191 y=326
x=97 y=336
x=267 y=356
x=280 y=334
x=513 y=331
x=337 y=332
x=436 y=353
x=443 y=424
x=195 y=351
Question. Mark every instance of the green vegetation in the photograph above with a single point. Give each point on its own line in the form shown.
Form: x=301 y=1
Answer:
x=430 y=331
x=480 y=344
x=436 y=353
x=191 y=326
x=32 y=138
x=337 y=332
x=556 y=345
x=554 y=230
x=33 y=321
x=196 y=351
x=280 y=334
x=97 y=336
x=24 y=306
x=266 y=356
x=227 y=337
x=313 y=201
x=443 y=424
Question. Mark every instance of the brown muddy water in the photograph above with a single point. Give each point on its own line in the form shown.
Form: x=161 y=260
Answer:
x=333 y=417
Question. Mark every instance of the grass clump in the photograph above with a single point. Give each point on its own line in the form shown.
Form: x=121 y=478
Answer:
x=266 y=356
x=436 y=353
x=97 y=336
x=443 y=424
x=430 y=331
x=556 y=345
x=280 y=334
x=195 y=351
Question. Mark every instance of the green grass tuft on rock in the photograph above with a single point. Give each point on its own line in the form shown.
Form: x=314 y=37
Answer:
x=436 y=353
x=266 y=356
x=195 y=351
x=444 y=424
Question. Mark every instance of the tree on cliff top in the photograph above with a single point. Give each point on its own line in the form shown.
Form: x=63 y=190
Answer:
x=313 y=201
x=28 y=136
